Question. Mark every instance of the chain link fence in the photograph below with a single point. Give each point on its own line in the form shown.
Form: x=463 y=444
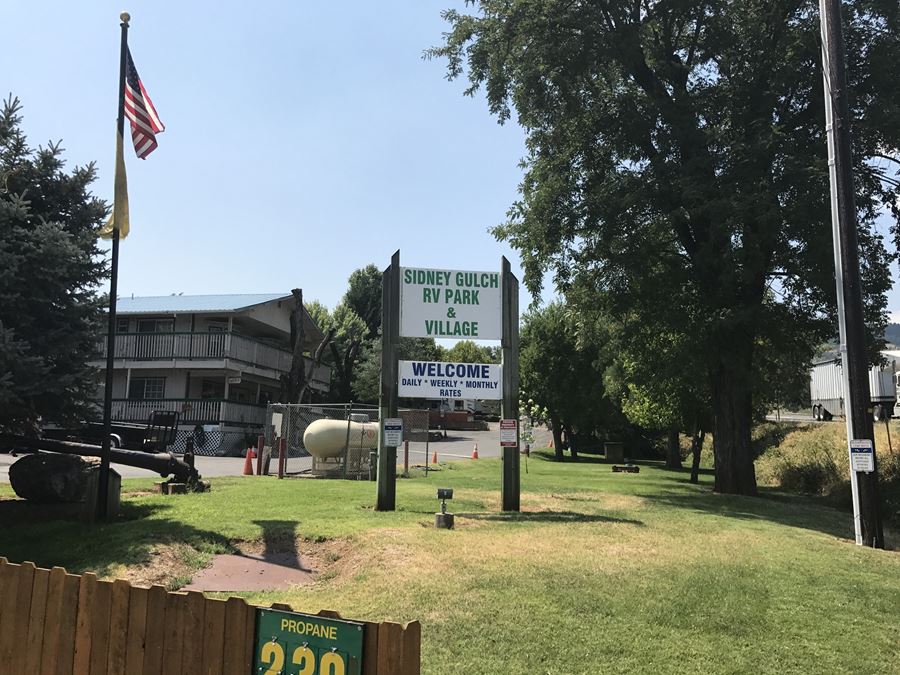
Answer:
x=210 y=441
x=416 y=436
x=289 y=421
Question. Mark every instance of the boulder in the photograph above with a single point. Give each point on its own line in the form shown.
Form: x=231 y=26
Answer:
x=50 y=478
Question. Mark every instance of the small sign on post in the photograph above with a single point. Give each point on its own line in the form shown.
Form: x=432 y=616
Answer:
x=276 y=424
x=509 y=436
x=393 y=432
x=862 y=455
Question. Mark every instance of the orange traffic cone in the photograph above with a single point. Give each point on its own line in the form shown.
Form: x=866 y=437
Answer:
x=251 y=452
x=475 y=452
x=248 y=464
x=434 y=458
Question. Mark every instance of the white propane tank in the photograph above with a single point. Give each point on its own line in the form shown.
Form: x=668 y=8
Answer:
x=326 y=438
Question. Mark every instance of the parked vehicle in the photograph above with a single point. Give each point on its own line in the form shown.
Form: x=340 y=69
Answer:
x=122 y=434
x=155 y=436
x=826 y=387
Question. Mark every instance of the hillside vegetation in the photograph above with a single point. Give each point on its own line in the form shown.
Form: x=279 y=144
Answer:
x=813 y=459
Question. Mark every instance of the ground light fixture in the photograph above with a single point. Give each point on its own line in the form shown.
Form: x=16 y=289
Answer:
x=442 y=519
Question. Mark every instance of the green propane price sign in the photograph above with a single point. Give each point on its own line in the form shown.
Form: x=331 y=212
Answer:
x=288 y=643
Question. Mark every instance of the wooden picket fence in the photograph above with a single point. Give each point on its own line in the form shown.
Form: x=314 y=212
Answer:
x=55 y=623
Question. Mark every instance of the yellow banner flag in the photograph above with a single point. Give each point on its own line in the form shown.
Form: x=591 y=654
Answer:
x=119 y=216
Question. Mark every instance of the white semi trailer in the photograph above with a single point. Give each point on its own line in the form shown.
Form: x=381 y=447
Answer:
x=826 y=387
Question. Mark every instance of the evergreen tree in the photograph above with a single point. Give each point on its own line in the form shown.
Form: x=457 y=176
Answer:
x=50 y=268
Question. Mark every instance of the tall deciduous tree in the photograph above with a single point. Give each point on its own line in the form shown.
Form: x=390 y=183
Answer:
x=466 y=351
x=681 y=144
x=50 y=270
x=564 y=374
x=348 y=332
x=295 y=385
x=363 y=296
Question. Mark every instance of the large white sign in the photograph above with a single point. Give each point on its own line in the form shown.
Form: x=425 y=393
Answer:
x=429 y=379
x=450 y=304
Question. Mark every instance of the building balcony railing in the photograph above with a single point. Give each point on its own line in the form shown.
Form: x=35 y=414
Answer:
x=191 y=411
x=207 y=346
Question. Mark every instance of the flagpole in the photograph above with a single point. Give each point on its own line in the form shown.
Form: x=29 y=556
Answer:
x=103 y=483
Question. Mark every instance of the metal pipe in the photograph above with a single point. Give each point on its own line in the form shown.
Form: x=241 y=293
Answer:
x=260 y=446
x=163 y=463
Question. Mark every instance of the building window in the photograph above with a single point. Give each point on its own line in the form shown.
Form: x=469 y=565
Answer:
x=121 y=325
x=212 y=389
x=147 y=388
x=155 y=325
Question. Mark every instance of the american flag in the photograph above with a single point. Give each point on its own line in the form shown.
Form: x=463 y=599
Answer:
x=145 y=123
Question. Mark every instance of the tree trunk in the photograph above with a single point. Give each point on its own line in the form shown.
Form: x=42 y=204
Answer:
x=344 y=365
x=557 y=439
x=673 y=450
x=296 y=382
x=573 y=443
x=732 y=407
x=696 y=448
x=315 y=362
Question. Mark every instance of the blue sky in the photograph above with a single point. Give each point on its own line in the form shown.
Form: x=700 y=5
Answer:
x=303 y=140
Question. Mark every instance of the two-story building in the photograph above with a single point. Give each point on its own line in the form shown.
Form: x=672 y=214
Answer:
x=215 y=359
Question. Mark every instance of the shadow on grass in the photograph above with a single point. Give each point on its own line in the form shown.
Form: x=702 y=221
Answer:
x=792 y=510
x=549 y=517
x=51 y=535
x=280 y=542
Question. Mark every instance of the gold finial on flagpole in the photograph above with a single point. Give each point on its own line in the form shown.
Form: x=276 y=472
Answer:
x=125 y=16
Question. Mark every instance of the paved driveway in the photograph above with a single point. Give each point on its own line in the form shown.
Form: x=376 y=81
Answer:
x=457 y=446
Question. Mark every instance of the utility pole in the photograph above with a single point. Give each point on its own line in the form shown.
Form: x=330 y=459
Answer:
x=857 y=398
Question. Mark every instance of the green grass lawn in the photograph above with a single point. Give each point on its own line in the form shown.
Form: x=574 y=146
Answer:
x=601 y=572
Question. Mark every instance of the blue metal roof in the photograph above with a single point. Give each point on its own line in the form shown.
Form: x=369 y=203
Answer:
x=193 y=304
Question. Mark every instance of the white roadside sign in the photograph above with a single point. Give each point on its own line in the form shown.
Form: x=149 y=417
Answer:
x=393 y=431
x=450 y=304
x=276 y=423
x=432 y=379
x=509 y=433
x=862 y=455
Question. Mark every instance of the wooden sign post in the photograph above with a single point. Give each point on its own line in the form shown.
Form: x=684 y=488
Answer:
x=509 y=285
x=390 y=338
